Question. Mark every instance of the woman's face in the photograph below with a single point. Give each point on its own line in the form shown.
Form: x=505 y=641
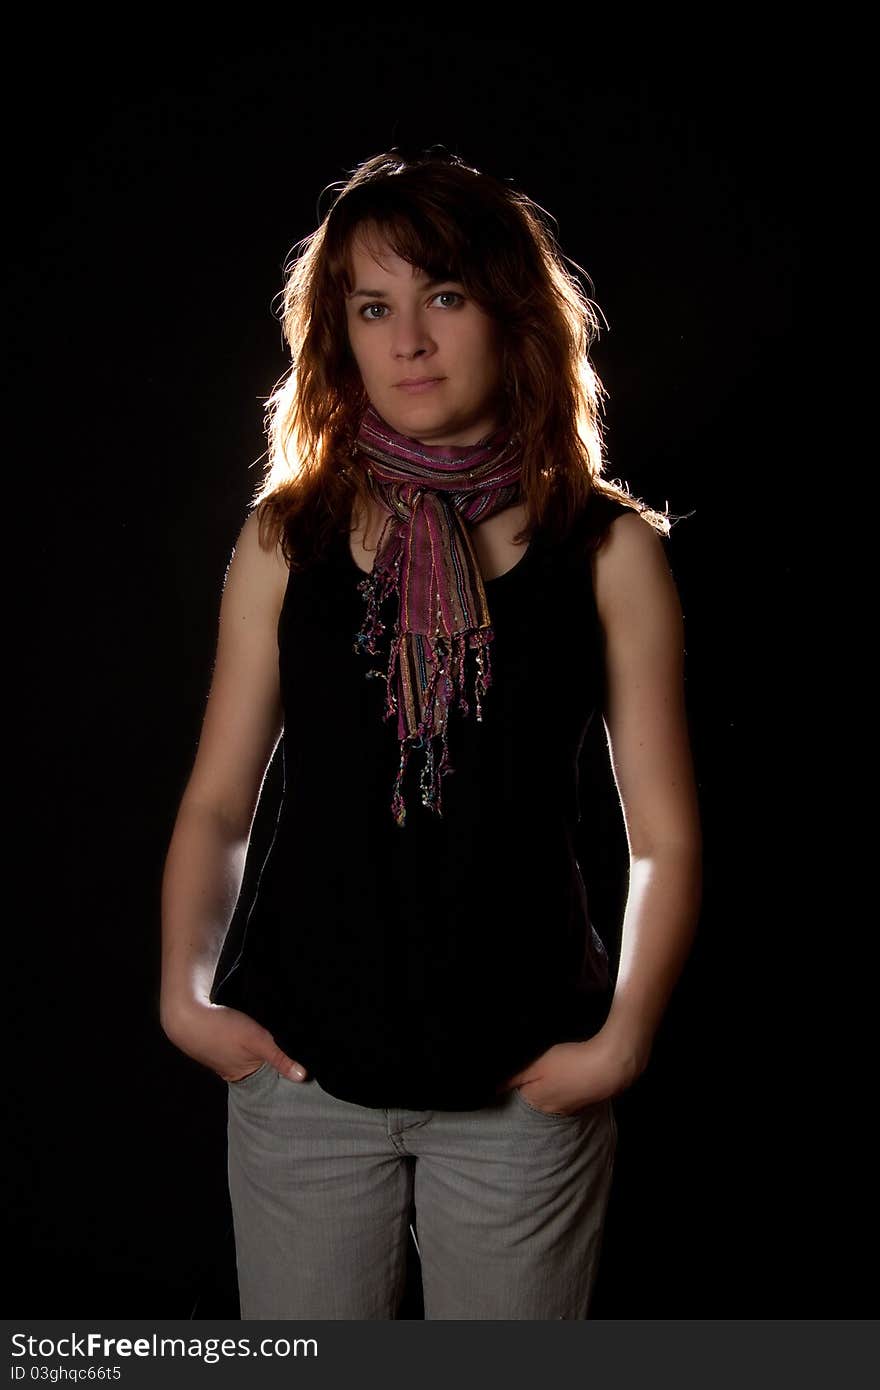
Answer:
x=402 y=327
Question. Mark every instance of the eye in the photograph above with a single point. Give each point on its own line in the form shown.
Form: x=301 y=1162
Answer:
x=449 y=294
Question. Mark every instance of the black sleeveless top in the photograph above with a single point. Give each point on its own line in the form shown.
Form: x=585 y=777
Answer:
x=419 y=966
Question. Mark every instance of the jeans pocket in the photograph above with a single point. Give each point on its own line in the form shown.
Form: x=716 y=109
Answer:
x=251 y=1076
x=553 y=1116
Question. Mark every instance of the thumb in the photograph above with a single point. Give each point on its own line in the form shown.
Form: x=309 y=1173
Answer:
x=293 y=1070
x=284 y=1064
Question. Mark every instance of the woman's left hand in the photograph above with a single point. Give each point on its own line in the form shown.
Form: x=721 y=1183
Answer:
x=572 y=1075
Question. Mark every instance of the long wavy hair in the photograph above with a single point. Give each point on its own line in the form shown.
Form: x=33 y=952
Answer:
x=450 y=220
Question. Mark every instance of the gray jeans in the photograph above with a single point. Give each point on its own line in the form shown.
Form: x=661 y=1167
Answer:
x=510 y=1204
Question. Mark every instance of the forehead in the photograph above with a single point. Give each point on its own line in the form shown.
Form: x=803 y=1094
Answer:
x=374 y=255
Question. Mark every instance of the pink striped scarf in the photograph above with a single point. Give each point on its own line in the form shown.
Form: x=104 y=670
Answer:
x=426 y=556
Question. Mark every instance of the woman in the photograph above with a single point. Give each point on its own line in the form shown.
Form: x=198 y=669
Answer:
x=436 y=591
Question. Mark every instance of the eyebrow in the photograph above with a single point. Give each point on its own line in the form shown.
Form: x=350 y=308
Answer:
x=425 y=284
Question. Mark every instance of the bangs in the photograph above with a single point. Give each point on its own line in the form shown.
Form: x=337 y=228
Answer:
x=435 y=245
x=422 y=248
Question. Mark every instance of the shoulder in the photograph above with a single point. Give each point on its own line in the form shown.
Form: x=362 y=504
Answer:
x=632 y=580
x=257 y=563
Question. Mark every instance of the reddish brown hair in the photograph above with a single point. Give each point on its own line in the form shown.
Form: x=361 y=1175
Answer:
x=451 y=220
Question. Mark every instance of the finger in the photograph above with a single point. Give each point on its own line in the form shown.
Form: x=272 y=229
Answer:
x=293 y=1070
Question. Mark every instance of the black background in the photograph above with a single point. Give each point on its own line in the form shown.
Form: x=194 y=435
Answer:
x=161 y=181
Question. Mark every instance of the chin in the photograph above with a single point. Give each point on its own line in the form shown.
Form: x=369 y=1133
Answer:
x=433 y=413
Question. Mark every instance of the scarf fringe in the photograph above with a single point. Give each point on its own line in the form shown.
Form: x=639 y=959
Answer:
x=443 y=657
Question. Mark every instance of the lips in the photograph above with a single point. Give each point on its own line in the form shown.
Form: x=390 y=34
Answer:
x=418 y=386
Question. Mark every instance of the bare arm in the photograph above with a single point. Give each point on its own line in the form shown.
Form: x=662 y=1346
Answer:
x=646 y=725
x=200 y=888
x=240 y=731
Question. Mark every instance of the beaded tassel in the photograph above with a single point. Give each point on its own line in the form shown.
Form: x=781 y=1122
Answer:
x=445 y=660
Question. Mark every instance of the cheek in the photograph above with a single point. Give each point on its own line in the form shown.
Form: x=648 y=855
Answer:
x=488 y=348
x=480 y=348
x=488 y=362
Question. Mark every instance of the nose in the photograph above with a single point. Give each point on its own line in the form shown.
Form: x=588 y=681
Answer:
x=410 y=337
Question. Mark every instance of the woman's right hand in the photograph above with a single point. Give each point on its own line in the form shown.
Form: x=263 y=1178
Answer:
x=229 y=1042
